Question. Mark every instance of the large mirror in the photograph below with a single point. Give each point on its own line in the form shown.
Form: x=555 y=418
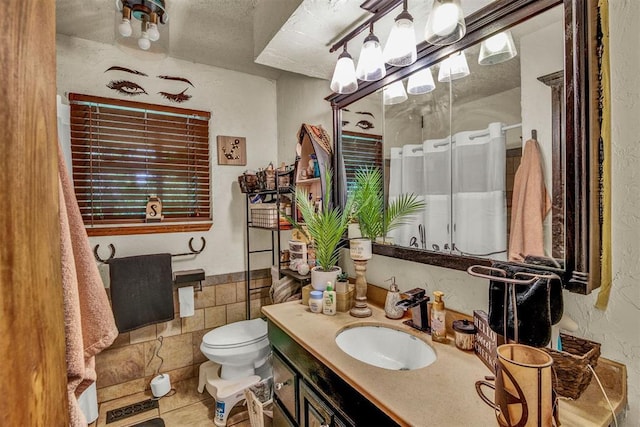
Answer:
x=484 y=141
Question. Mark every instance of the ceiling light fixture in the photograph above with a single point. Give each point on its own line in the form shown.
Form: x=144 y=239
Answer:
x=400 y=49
x=446 y=23
x=152 y=15
x=421 y=82
x=371 y=63
x=344 y=75
x=453 y=68
x=394 y=93
x=497 y=48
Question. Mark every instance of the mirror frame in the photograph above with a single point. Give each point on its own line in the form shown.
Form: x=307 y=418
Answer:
x=583 y=199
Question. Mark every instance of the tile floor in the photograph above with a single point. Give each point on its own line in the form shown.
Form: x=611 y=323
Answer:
x=186 y=408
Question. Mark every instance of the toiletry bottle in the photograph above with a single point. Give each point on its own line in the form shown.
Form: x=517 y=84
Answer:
x=329 y=300
x=393 y=296
x=438 y=313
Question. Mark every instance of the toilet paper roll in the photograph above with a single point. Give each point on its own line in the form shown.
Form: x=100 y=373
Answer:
x=185 y=298
x=160 y=385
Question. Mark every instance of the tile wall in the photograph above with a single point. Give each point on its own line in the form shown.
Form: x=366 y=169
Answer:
x=128 y=366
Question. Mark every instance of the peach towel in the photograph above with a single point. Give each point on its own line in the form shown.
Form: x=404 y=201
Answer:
x=89 y=323
x=530 y=205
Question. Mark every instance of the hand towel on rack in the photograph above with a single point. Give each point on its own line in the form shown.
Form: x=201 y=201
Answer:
x=141 y=290
x=538 y=305
x=530 y=205
x=89 y=323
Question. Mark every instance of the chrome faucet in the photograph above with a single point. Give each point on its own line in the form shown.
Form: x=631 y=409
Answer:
x=416 y=301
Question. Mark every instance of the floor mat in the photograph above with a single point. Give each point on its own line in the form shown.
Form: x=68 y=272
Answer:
x=155 y=422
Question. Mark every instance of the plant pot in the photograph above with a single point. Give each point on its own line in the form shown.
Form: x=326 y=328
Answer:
x=360 y=249
x=319 y=277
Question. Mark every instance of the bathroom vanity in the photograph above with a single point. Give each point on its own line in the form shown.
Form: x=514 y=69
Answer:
x=316 y=383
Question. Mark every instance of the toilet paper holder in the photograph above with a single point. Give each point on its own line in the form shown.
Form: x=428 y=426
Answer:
x=189 y=276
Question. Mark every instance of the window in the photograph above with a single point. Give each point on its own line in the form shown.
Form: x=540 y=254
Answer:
x=360 y=150
x=124 y=151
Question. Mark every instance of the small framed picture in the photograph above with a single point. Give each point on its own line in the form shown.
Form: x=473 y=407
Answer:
x=232 y=150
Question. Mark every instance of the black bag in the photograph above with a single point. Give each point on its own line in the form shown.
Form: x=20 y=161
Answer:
x=539 y=305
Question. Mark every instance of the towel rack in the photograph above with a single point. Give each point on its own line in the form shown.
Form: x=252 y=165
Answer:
x=113 y=251
x=510 y=292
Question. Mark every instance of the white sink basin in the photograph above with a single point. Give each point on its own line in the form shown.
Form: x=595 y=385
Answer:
x=385 y=348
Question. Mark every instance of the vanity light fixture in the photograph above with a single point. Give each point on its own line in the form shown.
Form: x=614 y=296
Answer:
x=151 y=14
x=394 y=93
x=454 y=67
x=371 y=62
x=421 y=82
x=344 y=75
x=497 y=48
x=400 y=49
x=446 y=23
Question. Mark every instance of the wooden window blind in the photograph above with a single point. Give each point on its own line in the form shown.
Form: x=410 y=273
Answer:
x=123 y=152
x=360 y=150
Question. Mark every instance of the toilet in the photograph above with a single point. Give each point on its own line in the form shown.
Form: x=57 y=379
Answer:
x=239 y=358
x=240 y=347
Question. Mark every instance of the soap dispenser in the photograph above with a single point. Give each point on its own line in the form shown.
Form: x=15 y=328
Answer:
x=438 y=318
x=393 y=296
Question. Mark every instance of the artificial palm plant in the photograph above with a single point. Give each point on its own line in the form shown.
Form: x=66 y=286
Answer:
x=374 y=220
x=325 y=227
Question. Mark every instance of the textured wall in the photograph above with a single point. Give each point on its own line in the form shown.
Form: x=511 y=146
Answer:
x=240 y=105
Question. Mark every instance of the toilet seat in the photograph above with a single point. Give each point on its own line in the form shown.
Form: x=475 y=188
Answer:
x=234 y=335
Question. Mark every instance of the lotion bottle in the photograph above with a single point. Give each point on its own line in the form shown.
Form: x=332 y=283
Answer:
x=329 y=300
x=438 y=315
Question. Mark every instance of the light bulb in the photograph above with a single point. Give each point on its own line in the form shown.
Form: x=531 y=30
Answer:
x=371 y=63
x=143 y=42
x=445 y=19
x=400 y=49
x=344 y=76
x=497 y=42
x=124 y=28
x=153 y=32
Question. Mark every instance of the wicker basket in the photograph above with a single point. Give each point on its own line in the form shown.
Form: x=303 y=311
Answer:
x=571 y=365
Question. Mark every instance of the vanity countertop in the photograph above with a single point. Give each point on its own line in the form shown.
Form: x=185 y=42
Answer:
x=440 y=394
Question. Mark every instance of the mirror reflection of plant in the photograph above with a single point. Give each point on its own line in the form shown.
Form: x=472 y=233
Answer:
x=325 y=227
x=374 y=220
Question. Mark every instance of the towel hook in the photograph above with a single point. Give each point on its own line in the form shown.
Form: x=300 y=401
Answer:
x=104 y=261
x=196 y=252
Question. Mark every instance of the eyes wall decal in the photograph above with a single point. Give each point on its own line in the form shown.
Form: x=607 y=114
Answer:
x=130 y=88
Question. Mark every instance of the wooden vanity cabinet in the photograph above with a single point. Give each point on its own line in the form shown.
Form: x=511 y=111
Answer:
x=322 y=397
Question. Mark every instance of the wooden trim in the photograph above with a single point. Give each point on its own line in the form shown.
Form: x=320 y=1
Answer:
x=32 y=332
x=148 y=229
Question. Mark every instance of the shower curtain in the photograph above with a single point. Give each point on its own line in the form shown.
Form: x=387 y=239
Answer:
x=465 y=211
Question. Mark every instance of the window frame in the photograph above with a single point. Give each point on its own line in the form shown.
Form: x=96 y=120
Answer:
x=200 y=169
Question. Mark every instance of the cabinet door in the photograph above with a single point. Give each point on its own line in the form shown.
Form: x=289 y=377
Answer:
x=280 y=417
x=284 y=379
x=314 y=411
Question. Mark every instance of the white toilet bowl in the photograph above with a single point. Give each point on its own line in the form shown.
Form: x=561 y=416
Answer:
x=239 y=347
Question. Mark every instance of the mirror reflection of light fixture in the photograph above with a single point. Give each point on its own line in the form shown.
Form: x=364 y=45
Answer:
x=497 y=48
x=344 y=75
x=446 y=23
x=394 y=93
x=453 y=68
x=154 y=28
x=421 y=82
x=371 y=62
x=400 y=49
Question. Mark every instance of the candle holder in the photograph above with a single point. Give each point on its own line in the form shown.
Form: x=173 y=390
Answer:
x=360 y=308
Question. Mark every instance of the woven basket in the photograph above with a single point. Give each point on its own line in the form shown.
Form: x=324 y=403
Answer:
x=571 y=365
